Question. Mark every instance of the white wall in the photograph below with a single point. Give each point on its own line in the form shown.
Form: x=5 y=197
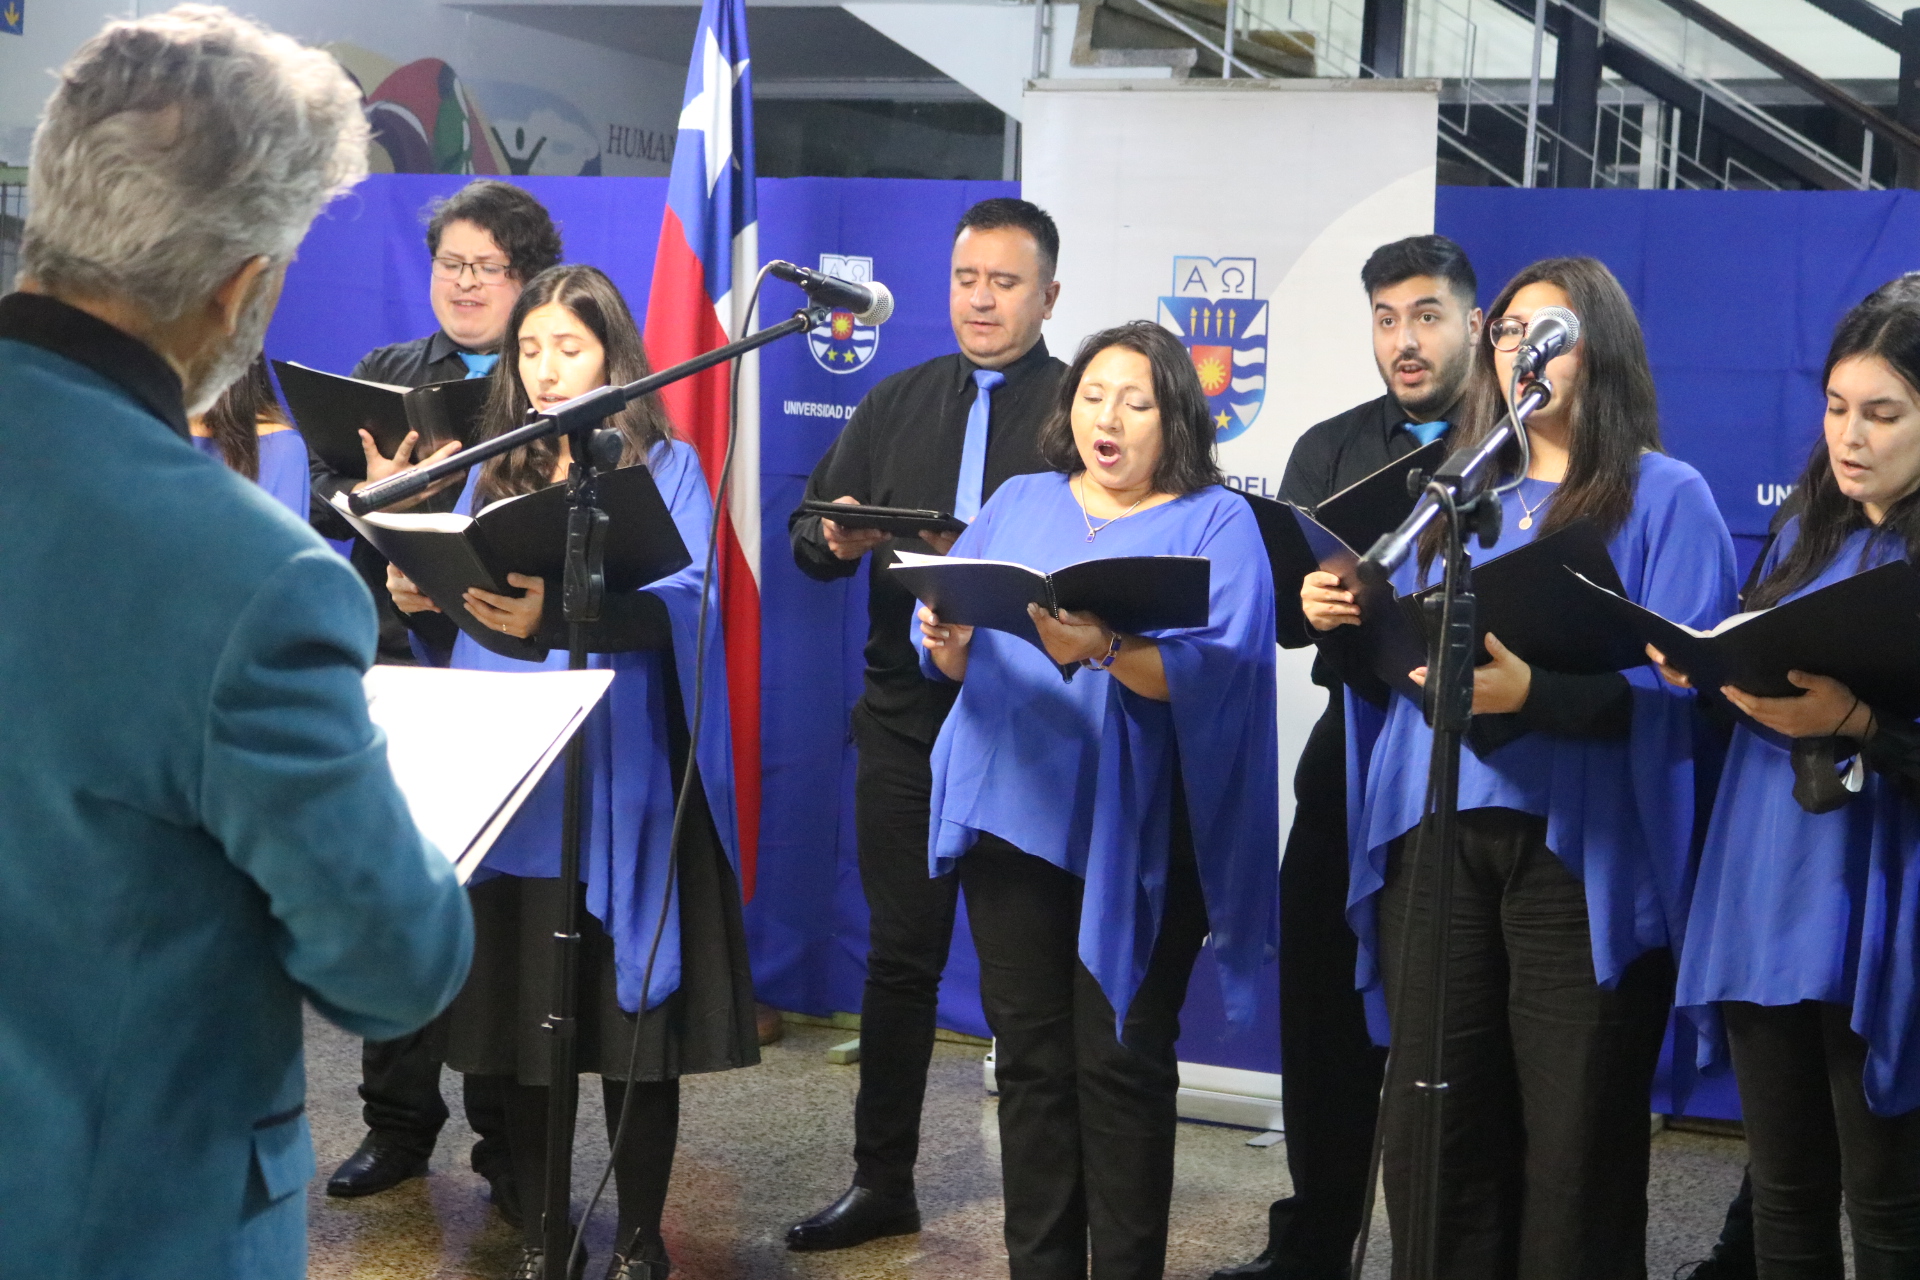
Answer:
x=580 y=96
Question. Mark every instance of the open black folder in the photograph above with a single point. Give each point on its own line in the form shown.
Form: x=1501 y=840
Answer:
x=1863 y=631
x=447 y=554
x=1533 y=598
x=331 y=411
x=1129 y=593
x=1332 y=534
x=901 y=522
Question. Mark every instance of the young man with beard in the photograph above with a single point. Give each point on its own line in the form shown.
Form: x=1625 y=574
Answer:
x=1425 y=325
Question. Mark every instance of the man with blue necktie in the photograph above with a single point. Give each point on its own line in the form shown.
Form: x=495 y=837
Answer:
x=485 y=242
x=942 y=435
x=1425 y=326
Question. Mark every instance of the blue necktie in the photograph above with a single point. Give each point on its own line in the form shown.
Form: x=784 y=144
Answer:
x=478 y=365
x=1427 y=432
x=973 y=455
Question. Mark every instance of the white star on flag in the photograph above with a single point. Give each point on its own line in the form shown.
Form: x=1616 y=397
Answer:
x=710 y=113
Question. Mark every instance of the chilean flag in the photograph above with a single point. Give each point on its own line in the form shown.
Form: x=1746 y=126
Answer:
x=708 y=256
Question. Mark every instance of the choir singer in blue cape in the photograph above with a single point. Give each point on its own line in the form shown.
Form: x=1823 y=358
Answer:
x=1572 y=858
x=1801 y=945
x=198 y=828
x=647 y=1015
x=1102 y=826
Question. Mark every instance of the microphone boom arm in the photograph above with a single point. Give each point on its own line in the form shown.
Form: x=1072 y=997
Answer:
x=571 y=417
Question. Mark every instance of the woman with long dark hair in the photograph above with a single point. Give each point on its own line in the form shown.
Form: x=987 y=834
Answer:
x=248 y=430
x=1102 y=827
x=1800 y=948
x=1571 y=859
x=646 y=1017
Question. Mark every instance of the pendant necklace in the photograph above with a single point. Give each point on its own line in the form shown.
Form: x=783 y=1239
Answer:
x=1526 y=520
x=1093 y=531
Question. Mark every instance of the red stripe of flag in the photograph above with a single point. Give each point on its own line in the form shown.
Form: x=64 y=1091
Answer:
x=681 y=324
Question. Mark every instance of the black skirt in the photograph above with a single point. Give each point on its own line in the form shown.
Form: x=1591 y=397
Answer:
x=493 y=1026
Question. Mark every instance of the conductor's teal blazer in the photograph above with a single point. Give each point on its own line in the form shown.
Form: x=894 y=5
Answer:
x=198 y=831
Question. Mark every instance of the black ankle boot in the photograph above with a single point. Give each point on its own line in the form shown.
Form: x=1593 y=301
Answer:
x=644 y=1258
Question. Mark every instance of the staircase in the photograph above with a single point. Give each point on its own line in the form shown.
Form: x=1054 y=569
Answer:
x=1615 y=106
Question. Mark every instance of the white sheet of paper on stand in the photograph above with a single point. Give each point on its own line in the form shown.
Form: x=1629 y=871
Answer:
x=468 y=747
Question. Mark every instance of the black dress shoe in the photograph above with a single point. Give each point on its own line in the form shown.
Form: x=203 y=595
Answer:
x=855 y=1218
x=533 y=1264
x=377 y=1166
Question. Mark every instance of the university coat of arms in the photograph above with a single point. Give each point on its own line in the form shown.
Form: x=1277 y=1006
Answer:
x=1214 y=311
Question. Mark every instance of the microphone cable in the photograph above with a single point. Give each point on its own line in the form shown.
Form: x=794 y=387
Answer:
x=709 y=588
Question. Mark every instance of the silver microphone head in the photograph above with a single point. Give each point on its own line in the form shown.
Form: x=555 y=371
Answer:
x=882 y=307
x=1569 y=325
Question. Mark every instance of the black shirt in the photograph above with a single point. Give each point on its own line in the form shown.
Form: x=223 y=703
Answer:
x=1345 y=449
x=114 y=354
x=902 y=449
x=435 y=358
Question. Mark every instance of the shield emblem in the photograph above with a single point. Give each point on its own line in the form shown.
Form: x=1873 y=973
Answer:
x=1227 y=339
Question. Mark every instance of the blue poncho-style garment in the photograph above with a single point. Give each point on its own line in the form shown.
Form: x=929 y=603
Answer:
x=1080 y=774
x=1794 y=906
x=1619 y=811
x=630 y=777
x=283 y=467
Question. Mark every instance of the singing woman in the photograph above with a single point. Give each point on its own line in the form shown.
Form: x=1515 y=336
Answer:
x=570 y=332
x=1102 y=826
x=1572 y=855
x=1802 y=939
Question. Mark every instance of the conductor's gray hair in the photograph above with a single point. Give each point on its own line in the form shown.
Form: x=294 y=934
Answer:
x=178 y=147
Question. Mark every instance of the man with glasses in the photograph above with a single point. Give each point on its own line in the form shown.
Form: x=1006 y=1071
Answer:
x=486 y=240
x=1425 y=325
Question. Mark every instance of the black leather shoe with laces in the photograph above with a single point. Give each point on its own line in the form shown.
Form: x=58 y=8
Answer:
x=641 y=1260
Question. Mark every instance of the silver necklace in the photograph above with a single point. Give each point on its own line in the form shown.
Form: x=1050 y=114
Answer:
x=1093 y=531
x=1526 y=520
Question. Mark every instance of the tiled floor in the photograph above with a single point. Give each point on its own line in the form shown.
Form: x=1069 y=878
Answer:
x=763 y=1147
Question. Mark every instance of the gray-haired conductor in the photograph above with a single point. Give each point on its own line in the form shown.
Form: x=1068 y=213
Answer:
x=197 y=823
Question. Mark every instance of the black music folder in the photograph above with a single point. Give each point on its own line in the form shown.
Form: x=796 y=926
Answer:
x=331 y=411
x=901 y=522
x=1863 y=631
x=447 y=554
x=1532 y=597
x=1333 y=534
x=1129 y=593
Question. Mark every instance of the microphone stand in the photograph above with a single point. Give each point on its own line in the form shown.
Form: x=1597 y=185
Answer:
x=593 y=449
x=1460 y=492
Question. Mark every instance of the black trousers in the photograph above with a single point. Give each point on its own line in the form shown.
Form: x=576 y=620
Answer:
x=400 y=1093
x=910 y=930
x=1332 y=1068
x=1545 y=1150
x=1086 y=1121
x=1810 y=1136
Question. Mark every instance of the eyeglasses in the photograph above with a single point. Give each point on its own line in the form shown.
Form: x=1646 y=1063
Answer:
x=1505 y=333
x=483 y=272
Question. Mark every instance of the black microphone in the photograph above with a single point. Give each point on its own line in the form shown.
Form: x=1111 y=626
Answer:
x=1553 y=331
x=871 y=303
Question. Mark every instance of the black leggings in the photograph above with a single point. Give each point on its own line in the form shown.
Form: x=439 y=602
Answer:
x=1810 y=1136
x=641 y=1168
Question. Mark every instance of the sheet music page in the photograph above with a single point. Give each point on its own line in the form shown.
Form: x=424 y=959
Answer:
x=467 y=747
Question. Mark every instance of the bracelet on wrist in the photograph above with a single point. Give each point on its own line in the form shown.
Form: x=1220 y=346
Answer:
x=1105 y=660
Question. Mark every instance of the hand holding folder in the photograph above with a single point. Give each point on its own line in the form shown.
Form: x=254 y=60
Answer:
x=1131 y=594
x=1863 y=631
x=445 y=555
x=332 y=411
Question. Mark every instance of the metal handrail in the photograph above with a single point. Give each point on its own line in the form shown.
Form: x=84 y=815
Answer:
x=1197 y=38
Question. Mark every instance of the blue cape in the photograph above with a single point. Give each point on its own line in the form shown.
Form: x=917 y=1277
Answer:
x=631 y=779
x=1081 y=773
x=1619 y=813
x=283 y=468
x=1794 y=906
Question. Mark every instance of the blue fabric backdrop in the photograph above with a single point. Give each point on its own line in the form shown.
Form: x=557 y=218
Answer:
x=1737 y=292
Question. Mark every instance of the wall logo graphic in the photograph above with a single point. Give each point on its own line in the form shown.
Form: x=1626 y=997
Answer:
x=838 y=344
x=1213 y=310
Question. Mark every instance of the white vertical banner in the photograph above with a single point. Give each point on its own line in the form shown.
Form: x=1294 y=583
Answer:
x=1238 y=214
